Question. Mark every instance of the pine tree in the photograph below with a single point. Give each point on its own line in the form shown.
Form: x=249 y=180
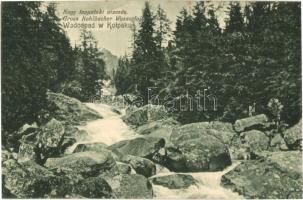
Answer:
x=145 y=60
x=93 y=66
x=235 y=22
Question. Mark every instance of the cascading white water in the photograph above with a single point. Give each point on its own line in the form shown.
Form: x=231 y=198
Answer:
x=112 y=129
x=109 y=130
x=207 y=187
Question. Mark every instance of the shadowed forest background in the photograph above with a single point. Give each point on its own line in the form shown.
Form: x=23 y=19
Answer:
x=255 y=59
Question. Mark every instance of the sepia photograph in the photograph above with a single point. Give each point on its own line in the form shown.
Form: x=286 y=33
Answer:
x=153 y=99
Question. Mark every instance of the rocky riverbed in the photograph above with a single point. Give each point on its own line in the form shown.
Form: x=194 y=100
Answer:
x=96 y=151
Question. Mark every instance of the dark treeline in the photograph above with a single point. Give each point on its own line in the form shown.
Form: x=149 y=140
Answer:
x=37 y=56
x=254 y=60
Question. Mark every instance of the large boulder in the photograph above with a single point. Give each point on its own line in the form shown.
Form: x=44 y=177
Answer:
x=205 y=153
x=71 y=110
x=174 y=181
x=142 y=115
x=88 y=163
x=142 y=166
x=293 y=136
x=50 y=136
x=142 y=147
x=196 y=148
x=222 y=131
x=28 y=179
x=254 y=122
x=43 y=143
x=161 y=128
x=276 y=175
x=130 y=186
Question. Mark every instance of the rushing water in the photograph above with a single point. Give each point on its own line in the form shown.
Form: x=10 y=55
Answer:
x=109 y=130
x=112 y=129
x=208 y=187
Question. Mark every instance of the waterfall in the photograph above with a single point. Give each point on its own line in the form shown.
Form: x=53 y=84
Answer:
x=112 y=129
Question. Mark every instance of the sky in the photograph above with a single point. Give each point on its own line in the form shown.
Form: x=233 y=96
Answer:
x=118 y=41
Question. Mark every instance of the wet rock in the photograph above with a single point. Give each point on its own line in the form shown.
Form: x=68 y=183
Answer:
x=130 y=186
x=142 y=166
x=71 y=110
x=276 y=175
x=254 y=122
x=293 y=136
x=142 y=147
x=86 y=163
x=96 y=146
x=174 y=181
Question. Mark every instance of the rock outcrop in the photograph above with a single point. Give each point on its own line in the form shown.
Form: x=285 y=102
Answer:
x=276 y=175
x=221 y=131
x=28 y=179
x=44 y=142
x=142 y=147
x=197 y=149
x=71 y=110
x=86 y=163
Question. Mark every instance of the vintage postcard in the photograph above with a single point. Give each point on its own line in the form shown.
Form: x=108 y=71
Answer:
x=166 y=99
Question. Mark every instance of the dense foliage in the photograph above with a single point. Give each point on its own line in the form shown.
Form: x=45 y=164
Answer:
x=238 y=68
x=37 y=56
